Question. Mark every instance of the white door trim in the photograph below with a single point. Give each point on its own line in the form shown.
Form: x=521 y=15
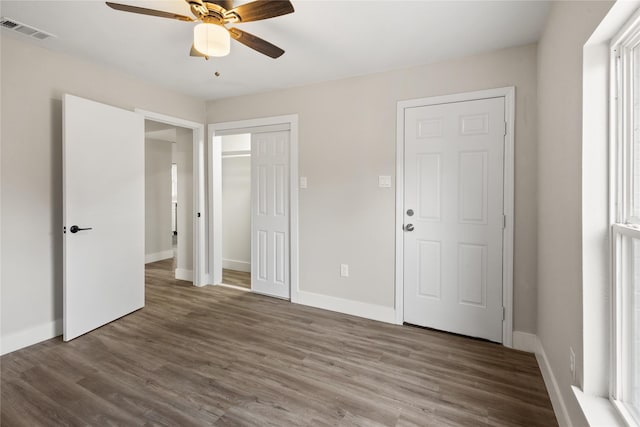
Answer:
x=199 y=206
x=508 y=93
x=215 y=192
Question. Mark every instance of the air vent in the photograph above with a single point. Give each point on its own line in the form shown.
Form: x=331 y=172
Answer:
x=12 y=24
x=8 y=24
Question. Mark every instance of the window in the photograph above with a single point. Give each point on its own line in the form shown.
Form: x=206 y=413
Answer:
x=625 y=108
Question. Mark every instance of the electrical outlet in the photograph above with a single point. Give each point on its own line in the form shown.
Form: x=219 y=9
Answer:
x=572 y=364
x=344 y=270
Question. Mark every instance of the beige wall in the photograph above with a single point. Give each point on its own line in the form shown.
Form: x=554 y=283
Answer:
x=347 y=139
x=157 y=195
x=33 y=81
x=559 y=187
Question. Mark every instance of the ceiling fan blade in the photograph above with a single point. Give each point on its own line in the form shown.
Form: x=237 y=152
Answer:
x=145 y=11
x=261 y=9
x=196 y=52
x=256 y=43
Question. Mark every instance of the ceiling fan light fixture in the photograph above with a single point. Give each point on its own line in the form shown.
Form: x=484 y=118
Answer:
x=211 y=39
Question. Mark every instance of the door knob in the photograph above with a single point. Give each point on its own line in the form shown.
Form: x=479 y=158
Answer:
x=408 y=227
x=410 y=212
x=75 y=229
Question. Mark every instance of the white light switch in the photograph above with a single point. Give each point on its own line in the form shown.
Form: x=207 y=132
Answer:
x=384 y=181
x=303 y=182
x=344 y=270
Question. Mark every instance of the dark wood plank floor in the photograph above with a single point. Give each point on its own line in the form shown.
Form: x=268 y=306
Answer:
x=236 y=278
x=217 y=356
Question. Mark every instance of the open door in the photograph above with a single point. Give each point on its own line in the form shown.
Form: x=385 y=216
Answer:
x=103 y=214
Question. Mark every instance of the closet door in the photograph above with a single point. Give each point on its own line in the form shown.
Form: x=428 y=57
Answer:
x=270 y=213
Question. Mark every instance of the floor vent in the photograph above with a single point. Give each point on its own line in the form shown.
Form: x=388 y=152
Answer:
x=12 y=24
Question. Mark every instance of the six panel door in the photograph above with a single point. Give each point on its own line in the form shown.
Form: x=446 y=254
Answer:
x=270 y=213
x=454 y=172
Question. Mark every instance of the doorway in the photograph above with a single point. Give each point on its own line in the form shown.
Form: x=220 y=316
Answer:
x=193 y=189
x=168 y=197
x=104 y=211
x=274 y=203
x=236 y=210
x=454 y=247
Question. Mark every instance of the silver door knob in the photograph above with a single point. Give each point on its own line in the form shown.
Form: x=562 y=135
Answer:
x=410 y=212
x=408 y=227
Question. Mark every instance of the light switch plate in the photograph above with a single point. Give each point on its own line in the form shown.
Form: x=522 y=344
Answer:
x=303 y=182
x=344 y=270
x=384 y=181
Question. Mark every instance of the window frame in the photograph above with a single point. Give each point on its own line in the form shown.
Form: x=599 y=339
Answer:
x=625 y=226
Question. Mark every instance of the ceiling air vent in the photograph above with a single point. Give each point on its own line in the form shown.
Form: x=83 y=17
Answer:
x=7 y=23
x=12 y=24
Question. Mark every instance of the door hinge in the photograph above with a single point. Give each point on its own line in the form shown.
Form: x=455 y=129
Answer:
x=505 y=128
x=504 y=222
x=504 y=313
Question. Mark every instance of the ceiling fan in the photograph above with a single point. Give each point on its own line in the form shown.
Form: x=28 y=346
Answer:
x=211 y=36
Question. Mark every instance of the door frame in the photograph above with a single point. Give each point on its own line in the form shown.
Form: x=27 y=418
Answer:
x=508 y=93
x=215 y=192
x=199 y=205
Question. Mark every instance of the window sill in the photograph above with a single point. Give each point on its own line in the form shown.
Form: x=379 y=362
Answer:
x=598 y=411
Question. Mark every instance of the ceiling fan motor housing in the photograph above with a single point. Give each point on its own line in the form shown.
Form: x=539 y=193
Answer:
x=213 y=12
x=225 y=4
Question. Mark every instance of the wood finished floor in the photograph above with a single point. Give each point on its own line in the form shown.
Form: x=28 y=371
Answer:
x=236 y=278
x=222 y=357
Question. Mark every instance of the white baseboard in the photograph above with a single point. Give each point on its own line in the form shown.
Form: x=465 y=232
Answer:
x=233 y=264
x=184 y=274
x=341 y=305
x=158 y=256
x=25 y=338
x=524 y=341
x=557 y=401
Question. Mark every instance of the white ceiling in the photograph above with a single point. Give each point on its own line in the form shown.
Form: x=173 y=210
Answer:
x=324 y=40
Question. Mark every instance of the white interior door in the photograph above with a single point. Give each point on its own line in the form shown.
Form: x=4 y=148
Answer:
x=270 y=213
x=103 y=185
x=453 y=201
